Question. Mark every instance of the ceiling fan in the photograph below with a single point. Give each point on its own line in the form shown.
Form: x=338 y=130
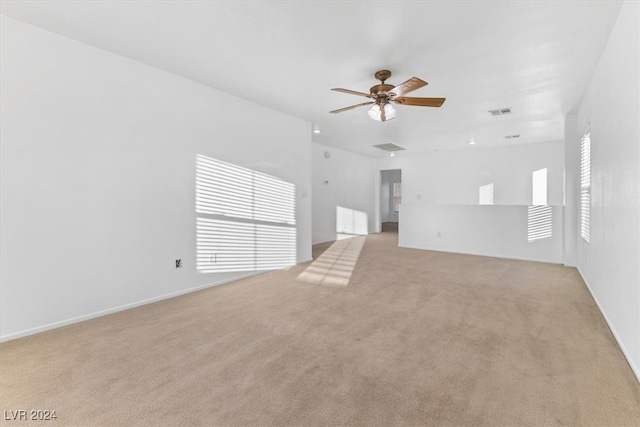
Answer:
x=383 y=94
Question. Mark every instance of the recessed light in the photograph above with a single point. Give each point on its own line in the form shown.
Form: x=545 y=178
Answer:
x=472 y=142
x=316 y=131
x=392 y=154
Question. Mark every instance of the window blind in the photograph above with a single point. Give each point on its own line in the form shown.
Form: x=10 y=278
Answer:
x=585 y=186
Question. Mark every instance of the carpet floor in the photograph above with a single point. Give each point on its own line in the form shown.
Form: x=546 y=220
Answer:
x=413 y=338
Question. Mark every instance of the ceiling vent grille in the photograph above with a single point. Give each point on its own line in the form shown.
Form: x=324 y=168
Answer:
x=389 y=147
x=500 y=111
x=512 y=136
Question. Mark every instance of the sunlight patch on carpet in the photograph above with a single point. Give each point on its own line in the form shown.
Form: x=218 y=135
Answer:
x=335 y=266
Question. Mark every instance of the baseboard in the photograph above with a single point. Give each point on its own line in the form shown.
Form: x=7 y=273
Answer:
x=101 y=313
x=322 y=243
x=633 y=366
x=548 y=261
x=352 y=235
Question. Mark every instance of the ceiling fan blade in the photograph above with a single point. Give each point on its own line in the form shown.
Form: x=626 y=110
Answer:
x=420 y=102
x=351 y=108
x=410 y=85
x=352 y=92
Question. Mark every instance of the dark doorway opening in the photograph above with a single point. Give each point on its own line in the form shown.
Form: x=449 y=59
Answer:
x=390 y=199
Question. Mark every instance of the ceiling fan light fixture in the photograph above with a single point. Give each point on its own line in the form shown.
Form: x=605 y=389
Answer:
x=376 y=112
x=389 y=111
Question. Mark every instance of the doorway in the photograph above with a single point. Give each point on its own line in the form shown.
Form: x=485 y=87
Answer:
x=390 y=199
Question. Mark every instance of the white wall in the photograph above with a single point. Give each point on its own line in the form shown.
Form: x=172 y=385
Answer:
x=344 y=180
x=498 y=231
x=440 y=193
x=98 y=170
x=610 y=264
x=387 y=200
x=453 y=177
x=571 y=188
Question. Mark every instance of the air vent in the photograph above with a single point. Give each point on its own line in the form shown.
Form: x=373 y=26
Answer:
x=389 y=147
x=512 y=136
x=500 y=111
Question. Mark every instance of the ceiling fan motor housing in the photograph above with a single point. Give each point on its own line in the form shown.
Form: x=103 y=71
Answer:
x=381 y=92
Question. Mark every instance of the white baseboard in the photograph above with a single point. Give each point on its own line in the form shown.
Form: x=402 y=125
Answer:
x=66 y=322
x=548 y=261
x=633 y=366
x=320 y=243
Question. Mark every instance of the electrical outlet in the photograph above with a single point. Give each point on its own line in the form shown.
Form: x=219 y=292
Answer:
x=213 y=259
x=178 y=263
x=439 y=234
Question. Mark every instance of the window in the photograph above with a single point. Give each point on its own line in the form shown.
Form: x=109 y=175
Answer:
x=485 y=194
x=585 y=186
x=397 y=195
x=539 y=187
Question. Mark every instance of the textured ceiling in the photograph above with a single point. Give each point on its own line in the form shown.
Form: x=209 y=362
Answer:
x=533 y=56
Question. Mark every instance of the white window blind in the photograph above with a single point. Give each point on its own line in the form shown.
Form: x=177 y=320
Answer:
x=397 y=195
x=585 y=186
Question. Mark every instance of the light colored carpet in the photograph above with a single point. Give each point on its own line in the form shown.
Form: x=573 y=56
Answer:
x=335 y=265
x=390 y=227
x=414 y=338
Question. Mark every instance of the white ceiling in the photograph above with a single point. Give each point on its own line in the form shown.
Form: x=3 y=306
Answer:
x=533 y=56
